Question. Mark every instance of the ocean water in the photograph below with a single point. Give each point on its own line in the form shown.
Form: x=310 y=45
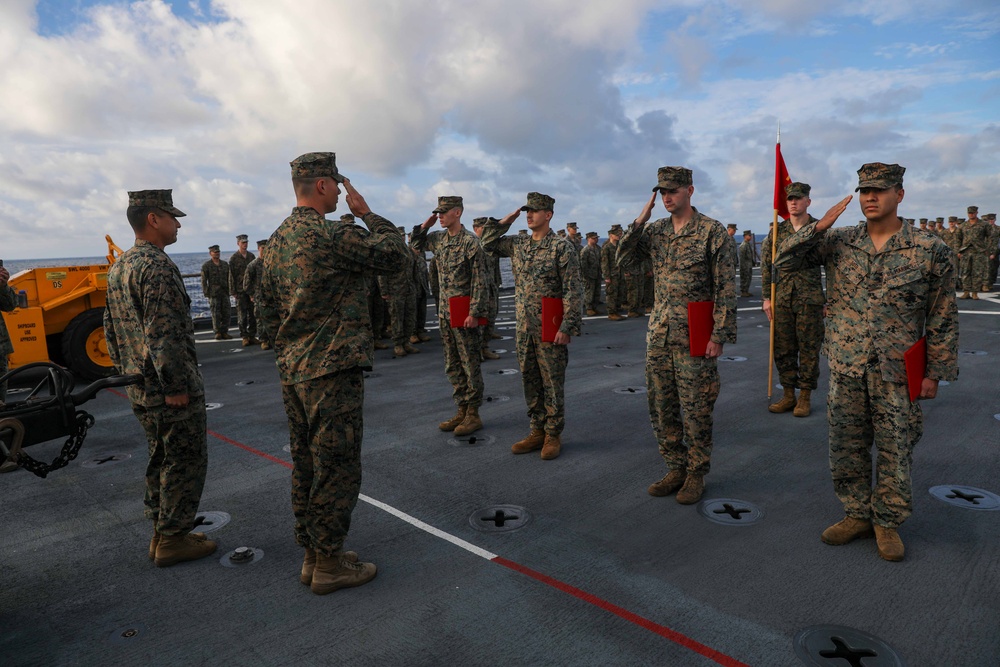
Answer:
x=189 y=264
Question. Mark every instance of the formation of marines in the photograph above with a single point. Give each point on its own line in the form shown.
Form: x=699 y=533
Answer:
x=889 y=286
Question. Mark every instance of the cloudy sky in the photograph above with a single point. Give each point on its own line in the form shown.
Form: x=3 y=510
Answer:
x=582 y=101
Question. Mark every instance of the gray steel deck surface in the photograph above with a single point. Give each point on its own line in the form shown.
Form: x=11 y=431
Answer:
x=75 y=572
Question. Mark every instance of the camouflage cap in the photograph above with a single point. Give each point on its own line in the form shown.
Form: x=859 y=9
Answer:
x=401 y=230
x=538 y=202
x=671 y=178
x=972 y=209
x=797 y=190
x=940 y=220
x=592 y=235
x=731 y=225
x=617 y=231
x=213 y=247
x=242 y=237
x=747 y=233
x=479 y=222
x=316 y=165
x=562 y=233
x=923 y=221
x=445 y=204
x=571 y=225
x=160 y=199
x=990 y=216
x=261 y=243
x=952 y=218
x=347 y=217
x=880 y=176
x=522 y=232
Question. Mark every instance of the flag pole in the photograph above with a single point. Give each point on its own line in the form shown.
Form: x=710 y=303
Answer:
x=774 y=256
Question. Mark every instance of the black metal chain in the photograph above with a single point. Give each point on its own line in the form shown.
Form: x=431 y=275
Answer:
x=70 y=450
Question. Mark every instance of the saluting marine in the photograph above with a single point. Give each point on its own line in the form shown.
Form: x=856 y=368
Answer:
x=461 y=273
x=892 y=287
x=546 y=267
x=692 y=261
x=313 y=298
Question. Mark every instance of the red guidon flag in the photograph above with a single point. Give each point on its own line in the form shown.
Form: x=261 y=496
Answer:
x=781 y=179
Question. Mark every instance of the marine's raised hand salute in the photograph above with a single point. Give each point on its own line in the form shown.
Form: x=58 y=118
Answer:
x=835 y=212
x=357 y=204
x=647 y=211
x=429 y=222
x=511 y=217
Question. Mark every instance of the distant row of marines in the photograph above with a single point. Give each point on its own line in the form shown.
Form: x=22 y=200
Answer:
x=888 y=287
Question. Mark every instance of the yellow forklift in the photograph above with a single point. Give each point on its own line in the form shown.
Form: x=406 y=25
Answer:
x=60 y=317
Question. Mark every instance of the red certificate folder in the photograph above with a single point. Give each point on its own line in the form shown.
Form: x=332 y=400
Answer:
x=701 y=321
x=552 y=317
x=916 y=366
x=458 y=308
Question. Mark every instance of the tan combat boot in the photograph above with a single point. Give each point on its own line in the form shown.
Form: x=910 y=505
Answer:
x=454 y=421
x=965 y=296
x=381 y=345
x=246 y=341
x=786 y=403
x=309 y=564
x=890 y=547
x=672 y=481
x=615 y=317
x=975 y=295
x=399 y=351
x=691 y=492
x=471 y=423
x=173 y=549
x=802 y=407
x=534 y=440
x=551 y=447
x=487 y=353
x=847 y=530
x=423 y=337
x=986 y=288
x=409 y=349
x=332 y=573
x=415 y=339
x=264 y=345
x=591 y=312
x=155 y=541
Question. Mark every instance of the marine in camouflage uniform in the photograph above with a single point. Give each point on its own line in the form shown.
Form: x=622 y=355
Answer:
x=149 y=331
x=251 y=287
x=746 y=253
x=612 y=274
x=493 y=281
x=590 y=269
x=313 y=297
x=796 y=310
x=692 y=262
x=545 y=266
x=634 y=272
x=973 y=253
x=376 y=305
x=421 y=281
x=245 y=317
x=215 y=286
x=573 y=235
x=953 y=239
x=882 y=300
x=731 y=232
x=461 y=272
x=397 y=289
x=994 y=249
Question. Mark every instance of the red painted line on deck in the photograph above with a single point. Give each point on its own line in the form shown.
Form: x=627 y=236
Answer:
x=656 y=628
x=249 y=449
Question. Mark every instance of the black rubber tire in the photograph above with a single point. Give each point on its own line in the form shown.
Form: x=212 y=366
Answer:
x=74 y=345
